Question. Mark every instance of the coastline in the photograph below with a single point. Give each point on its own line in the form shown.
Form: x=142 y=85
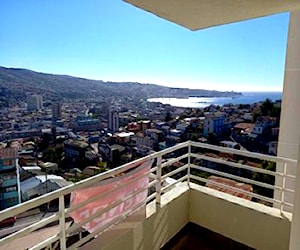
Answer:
x=202 y=102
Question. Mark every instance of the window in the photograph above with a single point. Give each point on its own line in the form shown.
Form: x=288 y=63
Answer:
x=6 y=177
x=8 y=162
x=11 y=189
x=12 y=200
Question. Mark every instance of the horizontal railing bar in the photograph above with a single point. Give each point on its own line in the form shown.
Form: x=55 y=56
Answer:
x=172 y=161
x=152 y=183
x=46 y=242
x=184 y=167
x=242 y=179
x=287 y=204
x=154 y=169
x=288 y=190
x=289 y=176
x=27 y=230
x=244 y=153
x=171 y=149
x=152 y=176
x=255 y=195
x=238 y=165
x=151 y=197
x=222 y=185
x=163 y=190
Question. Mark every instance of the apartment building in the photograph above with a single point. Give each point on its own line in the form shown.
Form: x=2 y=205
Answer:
x=34 y=102
x=9 y=195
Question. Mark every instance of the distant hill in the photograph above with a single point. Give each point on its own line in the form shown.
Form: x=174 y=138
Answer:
x=16 y=84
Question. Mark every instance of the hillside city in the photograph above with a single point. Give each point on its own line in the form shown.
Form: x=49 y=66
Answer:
x=48 y=145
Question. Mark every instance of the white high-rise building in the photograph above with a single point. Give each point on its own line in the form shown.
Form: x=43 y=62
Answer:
x=34 y=102
x=56 y=111
x=113 y=120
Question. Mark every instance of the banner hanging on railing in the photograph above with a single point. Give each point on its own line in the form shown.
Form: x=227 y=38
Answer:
x=132 y=181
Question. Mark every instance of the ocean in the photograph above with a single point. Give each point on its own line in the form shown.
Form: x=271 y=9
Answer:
x=202 y=102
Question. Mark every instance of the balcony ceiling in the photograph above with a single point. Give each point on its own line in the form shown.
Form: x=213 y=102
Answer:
x=199 y=14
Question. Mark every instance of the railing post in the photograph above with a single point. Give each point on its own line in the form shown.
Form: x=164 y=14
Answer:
x=62 y=223
x=158 y=184
x=189 y=163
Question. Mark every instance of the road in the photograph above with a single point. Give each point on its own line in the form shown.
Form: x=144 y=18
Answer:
x=23 y=222
x=33 y=238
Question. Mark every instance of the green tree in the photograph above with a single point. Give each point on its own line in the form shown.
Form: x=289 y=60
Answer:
x=256 y=115
x=244 y=106
x=54 y=154
x=265 y=178
x=267 y=107
x=275 y=112
x=102 y=165
x=193 y=137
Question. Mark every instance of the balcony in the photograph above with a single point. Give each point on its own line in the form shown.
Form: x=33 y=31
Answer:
x=177 y=192
x=7 y=168
x=9 y=182
x=11 y=194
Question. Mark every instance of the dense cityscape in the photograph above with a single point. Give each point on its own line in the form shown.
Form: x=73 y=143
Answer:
x=48 y=144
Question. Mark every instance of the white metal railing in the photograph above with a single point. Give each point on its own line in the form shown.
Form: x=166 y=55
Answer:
x=186 y=153
x=288 y=163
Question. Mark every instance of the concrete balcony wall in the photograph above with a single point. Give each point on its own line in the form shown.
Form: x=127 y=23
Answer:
x=252 y=224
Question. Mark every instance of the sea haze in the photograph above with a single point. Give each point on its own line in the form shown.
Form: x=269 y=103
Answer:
x=202 y=102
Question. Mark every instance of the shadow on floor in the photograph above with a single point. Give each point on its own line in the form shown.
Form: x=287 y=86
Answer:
x=194 y=237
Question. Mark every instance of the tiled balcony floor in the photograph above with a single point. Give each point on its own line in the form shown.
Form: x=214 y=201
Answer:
x=194 y=237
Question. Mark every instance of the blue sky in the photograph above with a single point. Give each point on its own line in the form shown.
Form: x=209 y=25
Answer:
x=114 y=41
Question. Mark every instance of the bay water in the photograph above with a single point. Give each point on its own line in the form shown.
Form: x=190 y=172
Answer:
x=202 y=102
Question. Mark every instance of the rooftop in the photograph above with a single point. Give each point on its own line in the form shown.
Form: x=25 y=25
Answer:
x=76 y=143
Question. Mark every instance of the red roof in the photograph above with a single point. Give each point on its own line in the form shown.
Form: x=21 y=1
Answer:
x=246 y=128
x=214 y=180
x=244 y=125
